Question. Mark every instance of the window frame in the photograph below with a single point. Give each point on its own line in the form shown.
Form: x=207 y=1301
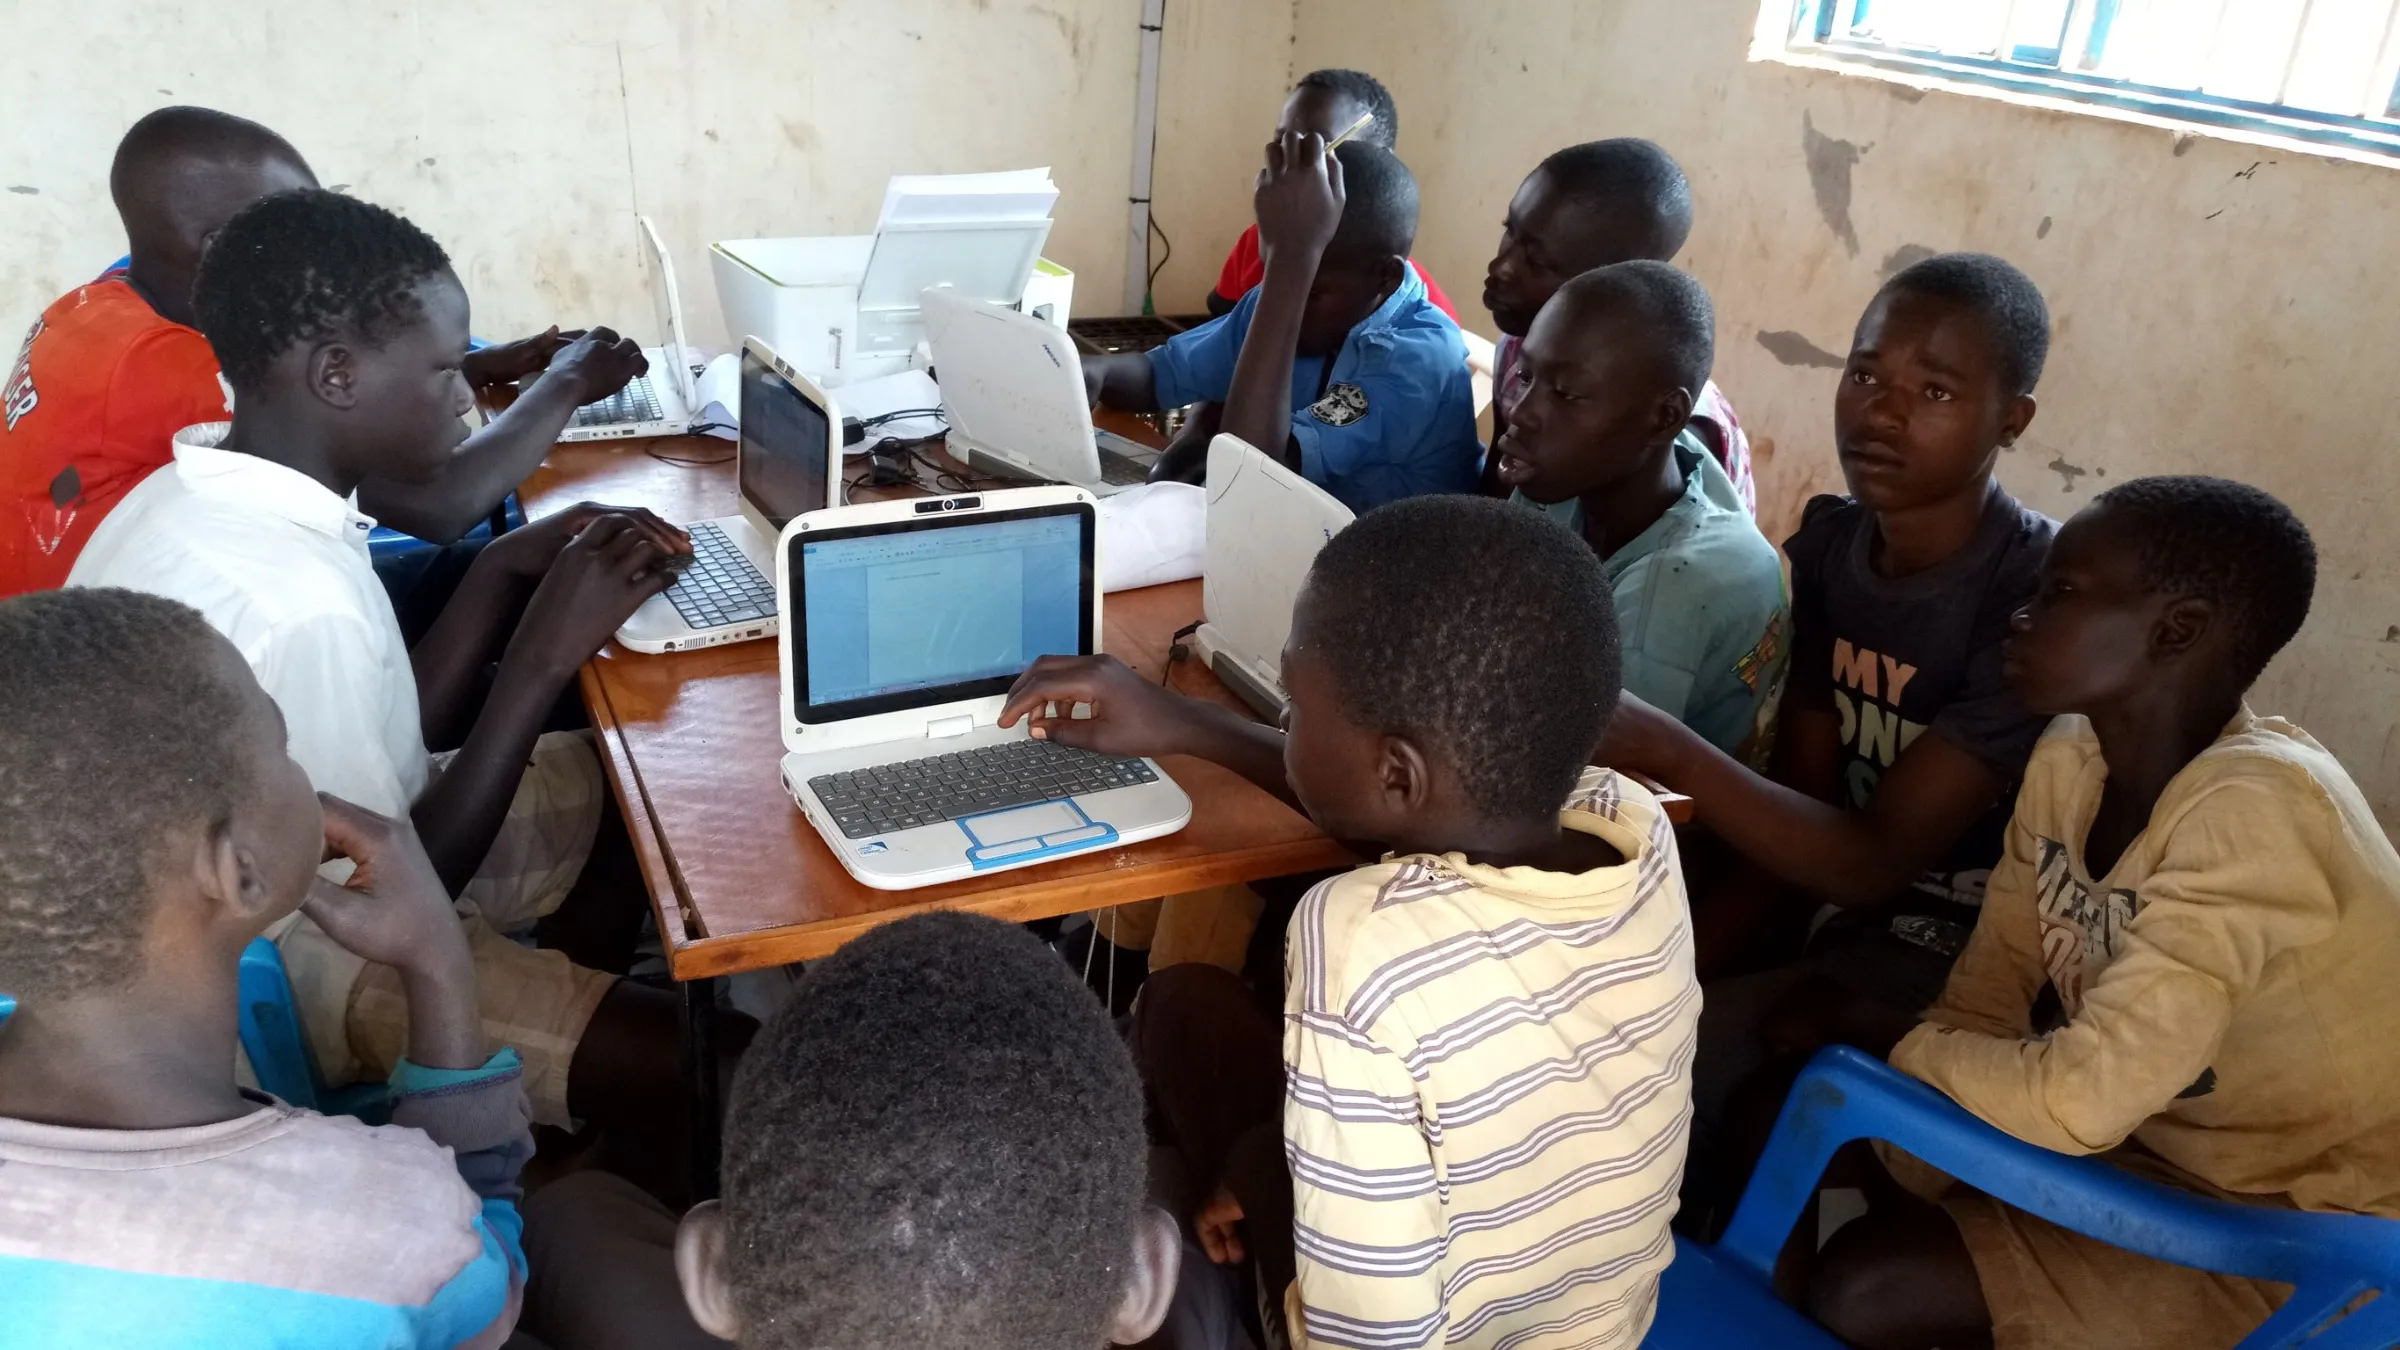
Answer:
x=2038 y=71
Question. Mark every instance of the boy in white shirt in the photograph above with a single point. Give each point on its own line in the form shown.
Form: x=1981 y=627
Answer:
x=341 y=329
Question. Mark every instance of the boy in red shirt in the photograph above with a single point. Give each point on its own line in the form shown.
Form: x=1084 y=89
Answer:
x=1326 y=102
x=114 y=368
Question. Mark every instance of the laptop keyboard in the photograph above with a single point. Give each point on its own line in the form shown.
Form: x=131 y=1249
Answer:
x=636 y=402
x=722 y=585
x=914 y=792
x=1117 y=470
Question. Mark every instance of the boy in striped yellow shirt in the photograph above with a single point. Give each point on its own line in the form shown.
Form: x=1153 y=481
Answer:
x=1485 y=1076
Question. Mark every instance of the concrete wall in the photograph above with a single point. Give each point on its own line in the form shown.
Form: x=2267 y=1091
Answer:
x=525 y=137
x=2220 y=308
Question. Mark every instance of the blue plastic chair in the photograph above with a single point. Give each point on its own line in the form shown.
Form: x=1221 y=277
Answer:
x=1723 y=1296
x=278 y=1048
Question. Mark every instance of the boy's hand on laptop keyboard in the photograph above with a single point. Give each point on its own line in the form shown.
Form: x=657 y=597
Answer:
x=1130 y=715
x=530 y=550
x=503 y=362
x=599 y=580
x=598 y=364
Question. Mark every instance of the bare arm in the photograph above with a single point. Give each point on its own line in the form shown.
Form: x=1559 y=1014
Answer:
x=1922 y=803
x=599 y=579
x=1131 y=716
x=1299 y=201
x=1120 y=380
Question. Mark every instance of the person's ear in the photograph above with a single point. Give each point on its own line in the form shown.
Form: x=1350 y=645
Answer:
x=1389 y=273
x=1403 y=775
x=227 y=872
x=700 y=1269
x=2183 y=625
x=333 y=374
x=1671 y=415
x=2018 y=417
x=1149 y=1278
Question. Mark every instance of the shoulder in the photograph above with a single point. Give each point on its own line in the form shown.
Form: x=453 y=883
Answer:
x=253 y=574
x=2024 y=542
x=2264 y=765
x=1353 y=928
x=285 y=1198
x=1826 y=521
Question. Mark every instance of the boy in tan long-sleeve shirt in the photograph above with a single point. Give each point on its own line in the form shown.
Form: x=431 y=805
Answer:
x=2185 y=960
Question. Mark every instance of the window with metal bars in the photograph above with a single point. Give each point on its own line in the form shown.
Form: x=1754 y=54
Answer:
x=2318 y=70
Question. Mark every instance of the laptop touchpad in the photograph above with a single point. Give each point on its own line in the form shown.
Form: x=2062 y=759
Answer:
x=1023 y=822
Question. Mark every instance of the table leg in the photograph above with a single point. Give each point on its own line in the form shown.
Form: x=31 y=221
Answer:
x=700 y=1075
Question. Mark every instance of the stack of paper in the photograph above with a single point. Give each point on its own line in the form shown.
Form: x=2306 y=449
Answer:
x=967 y=198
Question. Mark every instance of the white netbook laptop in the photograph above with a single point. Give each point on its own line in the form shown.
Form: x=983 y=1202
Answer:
x=787 y=463
x=906 y=623
x=663 y=401
x=1012 y=389
x=1265 y=525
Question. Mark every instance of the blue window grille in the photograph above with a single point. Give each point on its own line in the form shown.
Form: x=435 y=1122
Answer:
x=2326 y=71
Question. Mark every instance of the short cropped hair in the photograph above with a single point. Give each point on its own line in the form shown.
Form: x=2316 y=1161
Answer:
x=297 y=266
x=937 y=1142
x=1631 y=185
x=2006 y=298
x=1358 y=87
x=119 y=740
x=1379 y=207
x=165 y=135
x=1666 y=305
x=2227 y=543
x=1479 y=629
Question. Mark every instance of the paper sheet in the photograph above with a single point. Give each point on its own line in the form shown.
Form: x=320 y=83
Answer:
x=904 y=391
x=1152 y=534
x=719 y=394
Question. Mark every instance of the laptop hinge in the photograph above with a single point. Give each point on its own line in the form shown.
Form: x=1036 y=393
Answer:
x=943 y=727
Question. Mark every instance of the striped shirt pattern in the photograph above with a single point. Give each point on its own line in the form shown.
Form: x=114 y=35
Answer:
x=1488 y=1091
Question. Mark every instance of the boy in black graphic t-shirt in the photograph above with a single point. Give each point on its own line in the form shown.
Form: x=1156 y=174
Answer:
x=1898 y=745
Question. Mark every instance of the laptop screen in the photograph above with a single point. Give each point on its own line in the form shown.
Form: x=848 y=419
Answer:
x=920 y=612
x=786 y=446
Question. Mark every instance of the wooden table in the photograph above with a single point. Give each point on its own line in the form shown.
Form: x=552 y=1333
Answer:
x=738 y=877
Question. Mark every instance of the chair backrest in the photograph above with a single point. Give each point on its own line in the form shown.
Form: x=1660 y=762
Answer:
x=270 y=1026
x=2332 y=1260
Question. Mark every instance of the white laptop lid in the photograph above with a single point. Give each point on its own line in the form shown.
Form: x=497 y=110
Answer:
x=908 y=618
x=789 y=459
x=1011 y=384
x=1265 y=525
x=670 y=305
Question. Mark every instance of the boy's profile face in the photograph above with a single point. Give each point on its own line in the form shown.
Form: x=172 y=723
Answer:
x=1344 y=293
x=1332 y=763
x=1921 y=412
x=1583 y=404
x=2084 y=641
x=1545 y=242
x=409 y=390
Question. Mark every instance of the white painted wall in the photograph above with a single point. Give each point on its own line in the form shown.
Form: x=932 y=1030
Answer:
x=2219 y=308
x=525 y=137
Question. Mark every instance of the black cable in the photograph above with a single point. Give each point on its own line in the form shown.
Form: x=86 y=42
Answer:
x=1150 y=284
x=686 y=461
x=1177 y=650
x=880 y=418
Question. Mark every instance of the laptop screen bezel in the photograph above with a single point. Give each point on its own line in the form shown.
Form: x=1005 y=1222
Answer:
x=795 y=624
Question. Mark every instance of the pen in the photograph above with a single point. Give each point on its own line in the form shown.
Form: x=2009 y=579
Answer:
x=1355 y=128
